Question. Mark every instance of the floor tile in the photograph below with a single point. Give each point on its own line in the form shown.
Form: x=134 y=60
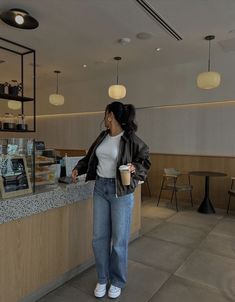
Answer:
x=219 y=244
x=147 y=224
x=72 y=294
x=225 y=227
x=212 y=270
x=51 y=297
x=197 y=220
x=143 y=282
x=85 y=281
x=158 y=253
x=178 y=289
x=152 y=211
x=177 y=233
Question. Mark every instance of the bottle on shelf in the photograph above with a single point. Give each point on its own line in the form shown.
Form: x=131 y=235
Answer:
x=21 y=124
x=8 y=122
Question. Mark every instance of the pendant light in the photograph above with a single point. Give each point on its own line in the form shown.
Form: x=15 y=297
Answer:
x=117 y=91
x=208 y=79
x=55 y=98
x=14 y=105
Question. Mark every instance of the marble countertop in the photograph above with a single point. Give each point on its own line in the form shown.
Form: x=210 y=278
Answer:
x=59 y=196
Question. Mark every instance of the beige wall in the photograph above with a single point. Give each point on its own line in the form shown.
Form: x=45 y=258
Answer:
x=202 y=130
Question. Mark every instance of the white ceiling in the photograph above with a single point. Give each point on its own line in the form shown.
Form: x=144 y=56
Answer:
x=76 y=32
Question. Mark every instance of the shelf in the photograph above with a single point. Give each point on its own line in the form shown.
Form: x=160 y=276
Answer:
x=15 y=98
x=15 y=130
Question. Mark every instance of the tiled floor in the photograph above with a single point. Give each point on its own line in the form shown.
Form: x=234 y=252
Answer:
x=184 y=256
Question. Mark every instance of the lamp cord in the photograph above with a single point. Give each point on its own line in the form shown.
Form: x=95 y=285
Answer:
x=209 y=60
x=57 y=83
x=117 y=72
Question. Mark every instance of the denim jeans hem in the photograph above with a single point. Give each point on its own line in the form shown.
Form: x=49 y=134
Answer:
x=103 y=281
x=118 y=283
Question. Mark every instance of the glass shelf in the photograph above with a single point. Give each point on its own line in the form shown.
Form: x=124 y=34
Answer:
x=15 y=98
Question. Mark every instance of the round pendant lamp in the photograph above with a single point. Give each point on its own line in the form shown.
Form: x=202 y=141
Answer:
x=117 y=91
x=19 y=18
x=208 y=79
x=56 y=99
x=14 y=105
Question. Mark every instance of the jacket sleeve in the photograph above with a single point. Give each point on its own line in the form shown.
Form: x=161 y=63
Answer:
x=141 y=161
x=82 y=164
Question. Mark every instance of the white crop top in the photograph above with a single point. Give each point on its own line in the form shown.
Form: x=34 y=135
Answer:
x=107 y=153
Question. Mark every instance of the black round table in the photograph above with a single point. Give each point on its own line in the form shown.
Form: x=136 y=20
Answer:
x=206 y=205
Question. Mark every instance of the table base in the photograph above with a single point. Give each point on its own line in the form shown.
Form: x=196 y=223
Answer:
x=206 y=207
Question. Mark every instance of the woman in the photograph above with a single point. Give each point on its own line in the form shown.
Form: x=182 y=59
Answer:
x=113 y=202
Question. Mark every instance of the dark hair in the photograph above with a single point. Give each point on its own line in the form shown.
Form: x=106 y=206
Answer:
x=124 y=114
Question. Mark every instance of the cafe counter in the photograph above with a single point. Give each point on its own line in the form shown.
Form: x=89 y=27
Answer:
x=46 y=239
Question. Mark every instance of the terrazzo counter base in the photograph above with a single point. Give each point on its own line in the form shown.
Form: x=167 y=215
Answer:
x=46 y=240
x=59 y=196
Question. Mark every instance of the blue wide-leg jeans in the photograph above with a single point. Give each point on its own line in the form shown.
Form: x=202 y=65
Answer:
x=111 y=231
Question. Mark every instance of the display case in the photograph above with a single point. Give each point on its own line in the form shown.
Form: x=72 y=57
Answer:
x=45 y=168
x=24 y=169
x=17 y=167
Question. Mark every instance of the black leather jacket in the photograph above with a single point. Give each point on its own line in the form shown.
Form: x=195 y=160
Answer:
x=132 y=150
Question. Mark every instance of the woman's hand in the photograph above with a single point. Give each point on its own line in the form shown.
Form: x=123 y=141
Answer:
x=74 y=175
x=131 y=168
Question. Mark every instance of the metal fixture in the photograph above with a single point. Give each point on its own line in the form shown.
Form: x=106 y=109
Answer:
x=159 y=19
x=19 y=18
x=208 y=79
x=56 y=99
x=117 y=91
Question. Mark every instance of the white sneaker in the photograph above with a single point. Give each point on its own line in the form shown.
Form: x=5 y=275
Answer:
x=114 y=291
x=100 y=290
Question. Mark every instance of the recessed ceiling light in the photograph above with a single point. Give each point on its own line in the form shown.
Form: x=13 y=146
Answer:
x=19 y=18
x=158 y=49
x=124 y=41
x=84 y=66
x=144 y=36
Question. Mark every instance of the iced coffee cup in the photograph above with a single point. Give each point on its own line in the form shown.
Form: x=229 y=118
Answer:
x=125 y=175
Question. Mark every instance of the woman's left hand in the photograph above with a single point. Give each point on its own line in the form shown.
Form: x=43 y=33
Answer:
x=131 y=168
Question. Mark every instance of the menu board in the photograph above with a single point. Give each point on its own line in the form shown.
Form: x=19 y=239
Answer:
x=14 y=177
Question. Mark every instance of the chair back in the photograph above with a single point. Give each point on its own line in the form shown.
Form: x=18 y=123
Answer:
x=171 y=172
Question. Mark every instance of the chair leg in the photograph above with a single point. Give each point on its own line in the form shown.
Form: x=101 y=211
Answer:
x=159 y=197
x=228 y=203
x=176 y=202
x=191 y=197
x=173 y=191
x=148 y=187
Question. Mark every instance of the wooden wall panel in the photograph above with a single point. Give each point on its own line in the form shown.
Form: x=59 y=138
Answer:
x=218 y=185
x=71 y=152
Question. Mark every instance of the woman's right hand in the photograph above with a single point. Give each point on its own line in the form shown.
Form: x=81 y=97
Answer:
x=74 y=175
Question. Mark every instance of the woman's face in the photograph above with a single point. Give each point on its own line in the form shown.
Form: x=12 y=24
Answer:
x=107 y=118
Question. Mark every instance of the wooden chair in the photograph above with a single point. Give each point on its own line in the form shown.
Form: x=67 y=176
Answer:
x=231 y=192
x=169 y=182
